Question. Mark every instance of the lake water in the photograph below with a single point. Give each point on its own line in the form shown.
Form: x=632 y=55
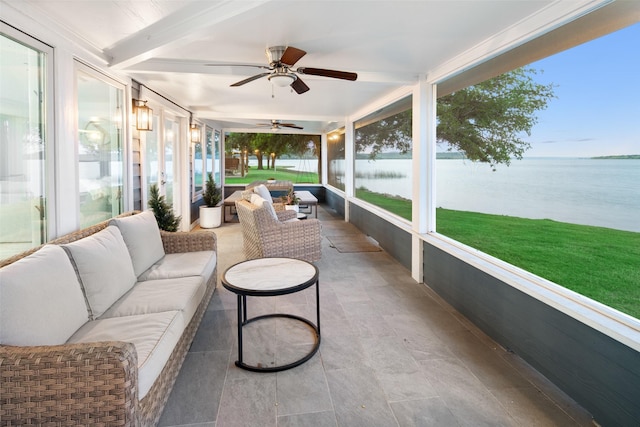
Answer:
x=596 y=192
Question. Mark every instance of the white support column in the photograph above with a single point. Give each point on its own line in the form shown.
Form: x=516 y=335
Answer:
x=419 y=168
x=324 y=178
x=349 y=165
x=430 y=190
x=67 y=193
x=423 y=207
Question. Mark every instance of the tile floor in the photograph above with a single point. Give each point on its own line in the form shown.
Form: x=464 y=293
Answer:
x=392 y=354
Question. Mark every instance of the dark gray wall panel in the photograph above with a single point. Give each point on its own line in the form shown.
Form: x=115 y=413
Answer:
x=600 y=373
x=392 y=239
x=335 y=202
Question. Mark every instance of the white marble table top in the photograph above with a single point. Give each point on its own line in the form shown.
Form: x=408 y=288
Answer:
x=269 y=274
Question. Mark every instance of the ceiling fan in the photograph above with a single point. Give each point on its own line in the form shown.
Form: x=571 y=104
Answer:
x=281 y=60
x=277 y=125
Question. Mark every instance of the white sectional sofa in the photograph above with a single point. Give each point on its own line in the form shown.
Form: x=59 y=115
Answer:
x=95 y=326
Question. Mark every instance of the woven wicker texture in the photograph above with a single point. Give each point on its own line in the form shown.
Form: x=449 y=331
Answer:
x=93 y=383
x=264 y=236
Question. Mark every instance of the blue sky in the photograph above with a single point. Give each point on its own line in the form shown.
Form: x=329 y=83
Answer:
x=597 y=110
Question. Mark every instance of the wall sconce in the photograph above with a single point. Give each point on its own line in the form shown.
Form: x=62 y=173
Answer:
x=194 y=133
x=144 y=115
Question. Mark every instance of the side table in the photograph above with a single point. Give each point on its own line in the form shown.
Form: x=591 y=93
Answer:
x=264 y=277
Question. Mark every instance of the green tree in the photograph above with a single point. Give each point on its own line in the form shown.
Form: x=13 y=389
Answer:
x=163 y=212
x=484 y=121
x=391 y=132
x=263 y=144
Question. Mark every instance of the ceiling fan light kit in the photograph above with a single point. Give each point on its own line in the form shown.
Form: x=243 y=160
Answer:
x=282 y=80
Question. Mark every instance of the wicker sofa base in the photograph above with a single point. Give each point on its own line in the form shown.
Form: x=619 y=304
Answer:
x=93 y=383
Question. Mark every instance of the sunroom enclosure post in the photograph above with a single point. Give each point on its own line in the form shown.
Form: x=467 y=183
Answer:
x=423 y=158
x=349 y=165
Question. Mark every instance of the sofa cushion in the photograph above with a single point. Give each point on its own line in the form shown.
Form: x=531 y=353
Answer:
x=154 y=336
x=104 y=267
x=185 y=264
x=262 y=191
x=154 y=296
x=261 y=203
x=142 y=237
x=41 y=300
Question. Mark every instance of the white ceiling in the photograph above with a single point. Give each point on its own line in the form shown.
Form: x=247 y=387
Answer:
x=165 y=45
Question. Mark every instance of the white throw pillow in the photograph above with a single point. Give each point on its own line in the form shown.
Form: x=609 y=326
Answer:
x=104 y=266
x=262 y=191
x=41 y=301
x=260 y=202
x=141 y=234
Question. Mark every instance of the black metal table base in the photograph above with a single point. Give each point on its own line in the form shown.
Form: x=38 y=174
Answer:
x=237 y=285
x=241 y=364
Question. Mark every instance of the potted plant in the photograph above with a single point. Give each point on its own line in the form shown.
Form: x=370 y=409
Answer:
x=211 y=211
x=163 y=212
x=291 y=201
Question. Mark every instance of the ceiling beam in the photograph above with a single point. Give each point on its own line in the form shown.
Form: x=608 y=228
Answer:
x=176 y=29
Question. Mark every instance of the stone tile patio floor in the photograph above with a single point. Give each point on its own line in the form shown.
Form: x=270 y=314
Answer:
x=392 y=354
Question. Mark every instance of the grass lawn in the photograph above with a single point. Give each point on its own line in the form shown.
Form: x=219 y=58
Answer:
x=281 y=173
x=600 y=263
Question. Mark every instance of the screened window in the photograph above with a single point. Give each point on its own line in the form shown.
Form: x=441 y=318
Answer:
x=23 y=144
x=197 y=166
x=335 y=159
x=382 y=171
x=567 y=210
x=214 y=159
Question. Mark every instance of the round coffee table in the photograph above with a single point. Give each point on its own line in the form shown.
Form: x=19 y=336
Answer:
x=264 y=277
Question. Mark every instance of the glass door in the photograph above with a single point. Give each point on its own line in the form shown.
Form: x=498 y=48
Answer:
x=171 y=133
x=23 y=146
x=159 y=161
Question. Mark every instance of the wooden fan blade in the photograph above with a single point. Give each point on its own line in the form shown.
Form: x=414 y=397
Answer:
x=299 y=86
x=292 y=55
x=250 y=79
x=291 y=125
x=344 y=75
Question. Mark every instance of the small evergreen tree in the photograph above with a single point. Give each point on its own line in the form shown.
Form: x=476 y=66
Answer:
x=212 y=195
x=167 y=220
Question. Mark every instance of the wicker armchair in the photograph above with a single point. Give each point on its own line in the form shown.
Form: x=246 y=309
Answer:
x=265 y=236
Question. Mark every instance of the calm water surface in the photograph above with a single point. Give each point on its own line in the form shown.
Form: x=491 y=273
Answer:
x=596 y=192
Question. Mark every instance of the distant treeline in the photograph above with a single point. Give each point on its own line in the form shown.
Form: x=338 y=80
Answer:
x=624 y=156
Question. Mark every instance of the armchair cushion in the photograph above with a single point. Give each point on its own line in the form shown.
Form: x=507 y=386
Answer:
x=260 y=202
x=141 y=234
x=41 y=301
x=262 y=191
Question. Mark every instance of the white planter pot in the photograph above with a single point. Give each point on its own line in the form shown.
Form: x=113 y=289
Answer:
x=210 y=217
x=292 y=208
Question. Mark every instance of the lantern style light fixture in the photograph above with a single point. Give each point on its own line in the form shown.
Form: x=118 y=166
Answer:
x=194 y=132
x=144 y=115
